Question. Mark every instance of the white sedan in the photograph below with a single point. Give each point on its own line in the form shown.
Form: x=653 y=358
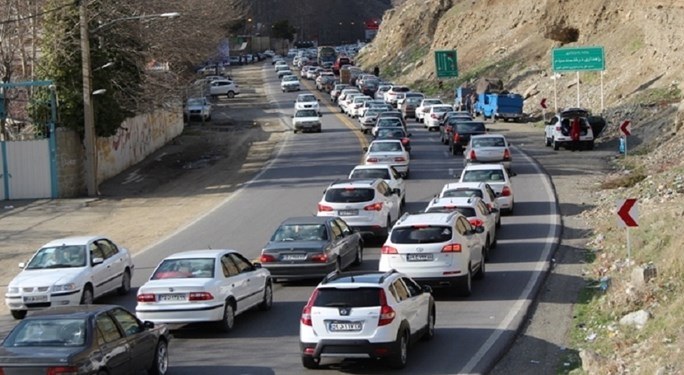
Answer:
x=290 y=83
x=69 y=271
x=384 y=171
x=204 y=286
x=497 y=177
x=391 y=152
x=306 y=101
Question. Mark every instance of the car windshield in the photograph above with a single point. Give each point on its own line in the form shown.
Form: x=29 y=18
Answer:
x=300 y=232
x=421 y=234
x=483 y=175
x=306 y=113
x=465 y=211
x=489 y=142
x=462 y=193
x=48 y=332
x=385 y=147
x=355 y=297
x=371 y=173
x=58 y=257
x=183 y=268
x=349 y=195
x=195 y=101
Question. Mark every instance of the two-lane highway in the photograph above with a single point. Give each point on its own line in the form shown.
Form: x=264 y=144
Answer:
x=471 y=334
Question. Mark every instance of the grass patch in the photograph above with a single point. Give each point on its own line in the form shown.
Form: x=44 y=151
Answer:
x=624 y=181
x=658 y=95
x=635 y=45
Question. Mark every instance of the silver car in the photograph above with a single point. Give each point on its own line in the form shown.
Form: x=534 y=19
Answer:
x=488 y=148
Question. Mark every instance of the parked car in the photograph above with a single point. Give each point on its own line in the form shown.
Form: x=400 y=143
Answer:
x=197 y=108
x=204 y=286
x=366 y=315
x=311 y=247
x=69 y=271
x=89 y=339
x=224 y=87
x=557 y=129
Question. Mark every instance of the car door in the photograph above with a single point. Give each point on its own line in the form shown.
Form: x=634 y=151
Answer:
x=340 y=244
x=114 y=261
x=490 y=219
x=391 y=200
x=472 y=239
x=142 y=343
x=419 y=303
x=113 y=348
x=255 y=280
x=100 y=273
x=231 y=283
x=239 y=282
x=408 y=305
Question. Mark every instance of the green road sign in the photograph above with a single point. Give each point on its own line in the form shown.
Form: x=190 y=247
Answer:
x=578 y=58
x=446 y=64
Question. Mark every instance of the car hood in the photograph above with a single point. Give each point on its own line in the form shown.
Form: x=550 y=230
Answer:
x=191 y=107
x=295 y=245
x=287 y=83
x=44 y=277
x=306 y=119
x=28 y=355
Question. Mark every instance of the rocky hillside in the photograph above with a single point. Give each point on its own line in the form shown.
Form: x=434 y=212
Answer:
x=630 y=316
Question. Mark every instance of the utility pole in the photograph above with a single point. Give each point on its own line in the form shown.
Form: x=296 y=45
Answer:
x=88 y=113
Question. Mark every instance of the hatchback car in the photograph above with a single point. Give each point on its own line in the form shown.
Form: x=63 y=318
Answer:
x=488 y=148
x=384 y=171
x=367 y=205
x=433 y=117
x=204 y=286
x=365 y=314
x=481 y=190
x=311 y=247
x=496 y=176
x=69 y=271
x=388 y=151
x=89 y=339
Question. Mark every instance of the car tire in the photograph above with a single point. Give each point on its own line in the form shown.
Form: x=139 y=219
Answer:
x=453 y=150
x=310 y=362
x=228 y=320
x=267 y=301
x=208 y=118
x=294 y=131
x=87 y=297
x=359 y=255
x=230 y=94
x=18 y=314
x=498 y=222
x=430 y=328
x=547 y=141
x=160 y=363
x=465 y=288
x=481 y=271
x=555 y=144
x=399 y=358
x=125 y=283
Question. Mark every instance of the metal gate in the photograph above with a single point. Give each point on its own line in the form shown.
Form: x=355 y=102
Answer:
x=26 y=169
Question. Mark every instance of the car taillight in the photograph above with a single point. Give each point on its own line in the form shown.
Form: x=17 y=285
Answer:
x=558 y=128
x=387 y=313
x=266 y=258
x=456 y=137
x=434 y=116
x=323 y=208
x=472 y=155
x=476 y=222
x=200 y=296
x=452 y=248
x=506 y=191
x=61 y=370
x=405 y=141
x=306 y=311
x=388 y=250
x=319 y=258
x=357 y=106
x=147 y=297
x=400 y=159
x=372 y=160
x=374 y=207
x=507 y=154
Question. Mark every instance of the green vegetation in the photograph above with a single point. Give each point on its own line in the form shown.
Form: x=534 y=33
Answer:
x=635 y=44
x=658 y=95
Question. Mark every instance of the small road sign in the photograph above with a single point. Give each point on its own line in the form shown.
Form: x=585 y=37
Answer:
x=626 y=127
x=627 y=212
x=543 y=103
x=578 y=59
x=446 y=64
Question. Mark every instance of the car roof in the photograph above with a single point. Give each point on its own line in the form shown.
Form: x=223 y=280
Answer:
x=73 y=240
x=354 y=181
x=454 y=201
x=372 y=166
x=483 y=167
x=205 y=253
x=386 y=141
x=306 y=220
x=422 y=218
x=488 y=135
x=357 y=279
x=456 y=185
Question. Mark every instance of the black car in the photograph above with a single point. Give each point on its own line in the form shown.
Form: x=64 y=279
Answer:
x=461 y=131
x=311 y=247
x=85 y=339
x=395 y=133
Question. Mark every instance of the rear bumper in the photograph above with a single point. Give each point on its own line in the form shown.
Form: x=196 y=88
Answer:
x=347 y=349
x=299 y=271
x=371 y=230
x=441 y=282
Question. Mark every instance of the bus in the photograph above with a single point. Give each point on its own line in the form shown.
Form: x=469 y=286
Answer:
x=326 y=54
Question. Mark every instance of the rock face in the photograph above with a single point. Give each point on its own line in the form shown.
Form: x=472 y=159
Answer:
x=637 y=319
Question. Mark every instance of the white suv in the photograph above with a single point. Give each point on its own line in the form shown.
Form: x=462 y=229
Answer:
x=367 y=205
x=438 y=249
x=365 y=315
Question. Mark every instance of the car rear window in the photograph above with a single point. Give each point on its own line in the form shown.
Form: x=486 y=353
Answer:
x=356 y=297
x=489 y=142
x=183 y=268
x=470 y=127
x=48 y=332
x=465 y=211
x=462 y=193
x=349 y=195
x=421 y=234
x=370 y=173
x=484 y=175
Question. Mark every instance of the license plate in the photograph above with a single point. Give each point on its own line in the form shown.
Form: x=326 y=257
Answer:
x=294 y=256
x=32 y=299
x=348 y=212
x=419 y=257
x=171 y=297
x=345 y=326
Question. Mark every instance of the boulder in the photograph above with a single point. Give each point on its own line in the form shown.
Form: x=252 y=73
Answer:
x=592 y=362
x=641 y=275
x=637 y=319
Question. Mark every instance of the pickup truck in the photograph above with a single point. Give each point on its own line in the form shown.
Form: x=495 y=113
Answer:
x=461 y=133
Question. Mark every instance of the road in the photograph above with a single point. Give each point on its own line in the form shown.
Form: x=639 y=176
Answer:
x=471 y=334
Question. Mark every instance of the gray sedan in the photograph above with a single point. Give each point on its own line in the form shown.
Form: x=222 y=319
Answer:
x=311 y=247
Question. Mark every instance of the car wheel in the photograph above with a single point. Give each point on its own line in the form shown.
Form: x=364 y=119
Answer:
x=309 y=362
x=18 y=314
x=208 y=118
x=488 y=245
x=359 y=255
x=547 y=141
x=481 y=271
x=466 y=286
x=160 y=365
x=430 y=329
x=399 y=359
x=267 y=301
x=294 y=131
x=87 y=296
x=228 y=320
x=453 y=150
x=230 y=94
x=555 y=144
x=125 y=283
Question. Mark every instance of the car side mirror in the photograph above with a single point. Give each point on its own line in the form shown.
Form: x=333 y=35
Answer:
x=479 y=229
x=427 y=289
x=256 y=265
x=148 y=325
x=494 y=210
x=512 y=174
x=396 y=191
x=22 y=264
x=498 y=194
x=97 y=261
x=365 y=149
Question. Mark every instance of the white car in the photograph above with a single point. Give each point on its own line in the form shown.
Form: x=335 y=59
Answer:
x=369 y=206
x=365 y=315
x=290 y=83
x=197 y=108
x=354 y=109
x=386 y=122
x=306 y=120
x=477 y=212
x=437 y=249
x=388 y=151
x=224 y=87
x=391 y=96
x=280 y=65
x=433 y=117
x=496 y=176
x=411 y=94
x=69 y=271
x=346 y=102
x=488 y=148
x=306 y=101
x=344 y=93
x=424 y=107
x=204 y=286
x=481 y=190
x=384 y=171
x=283 y=73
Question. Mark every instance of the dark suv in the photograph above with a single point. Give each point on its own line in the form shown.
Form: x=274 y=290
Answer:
x=461 y=133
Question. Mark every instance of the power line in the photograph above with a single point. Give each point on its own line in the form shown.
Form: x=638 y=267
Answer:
x=70 y=3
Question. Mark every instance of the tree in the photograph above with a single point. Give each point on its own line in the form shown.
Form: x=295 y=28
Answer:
x=283 y=29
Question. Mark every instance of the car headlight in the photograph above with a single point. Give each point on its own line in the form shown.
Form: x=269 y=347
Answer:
x=12 y=290
x=64 y=287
